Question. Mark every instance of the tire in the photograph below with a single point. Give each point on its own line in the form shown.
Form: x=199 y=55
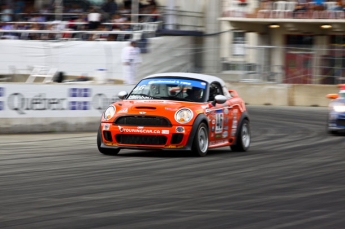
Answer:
x=333 y=132
x=200 y=142
x=243 y=138
x=103 y=150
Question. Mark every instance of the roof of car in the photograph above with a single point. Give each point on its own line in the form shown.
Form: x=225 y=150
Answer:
x=207 y=78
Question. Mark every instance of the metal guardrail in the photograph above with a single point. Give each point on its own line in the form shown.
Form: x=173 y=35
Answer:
x=184 y=20
x=139 y=29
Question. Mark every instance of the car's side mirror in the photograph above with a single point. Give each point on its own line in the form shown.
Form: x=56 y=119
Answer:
x=220 y=99
x=332 y=96
x=122 y=94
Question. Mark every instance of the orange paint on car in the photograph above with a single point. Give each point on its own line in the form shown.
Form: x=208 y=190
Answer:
x=162 y=113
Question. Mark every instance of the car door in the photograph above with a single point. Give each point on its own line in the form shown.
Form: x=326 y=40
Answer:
x=220 y=117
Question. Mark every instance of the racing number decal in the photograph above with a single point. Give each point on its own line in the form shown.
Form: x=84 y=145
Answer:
x=234 y=123
x=219 y=121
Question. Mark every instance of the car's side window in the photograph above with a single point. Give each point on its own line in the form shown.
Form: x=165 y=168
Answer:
x=215 y=89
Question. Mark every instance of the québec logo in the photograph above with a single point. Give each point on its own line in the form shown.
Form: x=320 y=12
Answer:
x=79 y=105
x=78 y=95
x=2 y=94
x=80 y=92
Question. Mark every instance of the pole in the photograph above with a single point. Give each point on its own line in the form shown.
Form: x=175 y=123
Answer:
x=170 y=15
x=135 y=11
x=58 y=10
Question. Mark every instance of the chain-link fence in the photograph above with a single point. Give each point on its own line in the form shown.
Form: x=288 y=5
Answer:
x=292 y=65
x=297 y=65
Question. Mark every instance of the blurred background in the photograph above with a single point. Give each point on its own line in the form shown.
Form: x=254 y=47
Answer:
x=294 y=42
x=60 y=68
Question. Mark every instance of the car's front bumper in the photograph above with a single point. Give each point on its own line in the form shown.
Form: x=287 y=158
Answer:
x=336 y=121
x=184 y=148
x=147 y=138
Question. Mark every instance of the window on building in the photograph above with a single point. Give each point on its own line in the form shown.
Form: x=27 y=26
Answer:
x=302 y=41
x=235 y=66
x=337 y=40
x=238 y=43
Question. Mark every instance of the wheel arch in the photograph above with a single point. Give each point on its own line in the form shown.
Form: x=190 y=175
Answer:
x=201 y=118
x=244 y=116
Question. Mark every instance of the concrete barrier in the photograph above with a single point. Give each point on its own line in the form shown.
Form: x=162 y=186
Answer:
x=33 y=108
x=262 y=94
x=311 y=95
x=48 y=125
x=284 y=94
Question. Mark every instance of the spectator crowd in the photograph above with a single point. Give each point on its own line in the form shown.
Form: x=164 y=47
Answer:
x=82 y=22
x=304 y=7
x=307 y=8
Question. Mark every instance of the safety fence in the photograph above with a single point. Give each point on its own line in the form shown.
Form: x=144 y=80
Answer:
x=283 y=9
x=183 y=20
x=60 y=30
x=243 y=63
x=20 y=58
x=291 y=65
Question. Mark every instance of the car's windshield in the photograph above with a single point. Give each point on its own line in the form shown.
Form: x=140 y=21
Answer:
x=181 y=89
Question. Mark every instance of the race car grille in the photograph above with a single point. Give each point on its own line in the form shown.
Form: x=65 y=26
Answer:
x=176 y=138
x=140 y=139
x=143 y=121
x=107 y=136
x=340 y=122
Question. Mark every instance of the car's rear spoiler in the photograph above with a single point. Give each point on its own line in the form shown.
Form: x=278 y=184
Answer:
x=233 y=93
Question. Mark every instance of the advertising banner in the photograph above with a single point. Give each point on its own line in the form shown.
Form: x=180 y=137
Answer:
x=36 y=101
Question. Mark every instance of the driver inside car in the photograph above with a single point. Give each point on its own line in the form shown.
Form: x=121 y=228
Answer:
x=194 y=94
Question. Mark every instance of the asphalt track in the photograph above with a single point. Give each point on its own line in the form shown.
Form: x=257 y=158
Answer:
x=292 y=177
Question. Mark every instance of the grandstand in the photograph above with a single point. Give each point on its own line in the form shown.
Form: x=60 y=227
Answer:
x=36 y=38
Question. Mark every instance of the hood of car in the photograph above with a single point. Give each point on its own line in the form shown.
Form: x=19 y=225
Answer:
x=148 y=106
x=338 y=106
x=338 y=100
x=166 y=108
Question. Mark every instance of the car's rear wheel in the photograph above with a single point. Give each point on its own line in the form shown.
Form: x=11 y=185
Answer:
x=103 y=150
x=200 y=143
x=243 y=138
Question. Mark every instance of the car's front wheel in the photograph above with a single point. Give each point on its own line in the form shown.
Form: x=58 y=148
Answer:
x=103 y=150
x=329 y=131
x=333 y=132
x=200 y=143
x=243 y=138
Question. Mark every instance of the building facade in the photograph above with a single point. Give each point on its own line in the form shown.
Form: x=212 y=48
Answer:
x=284 y=42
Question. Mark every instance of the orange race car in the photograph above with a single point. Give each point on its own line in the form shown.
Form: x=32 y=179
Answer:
x=176 y=111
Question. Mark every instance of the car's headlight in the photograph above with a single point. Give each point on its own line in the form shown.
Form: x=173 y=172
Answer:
x=183 y=115
x=339 y=107
x=109 y=113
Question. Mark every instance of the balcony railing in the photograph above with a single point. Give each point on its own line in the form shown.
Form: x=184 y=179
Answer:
x=283 y=9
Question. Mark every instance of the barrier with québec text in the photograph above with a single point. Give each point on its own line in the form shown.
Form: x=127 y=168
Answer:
x=35 y=101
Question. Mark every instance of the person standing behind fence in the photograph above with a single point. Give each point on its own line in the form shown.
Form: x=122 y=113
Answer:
x=6 y=13
x=94 y=19
x=131 y=57
x=110 y=8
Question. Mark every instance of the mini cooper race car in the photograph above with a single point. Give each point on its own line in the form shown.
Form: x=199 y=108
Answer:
x=176 y=111
x=336 y=118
